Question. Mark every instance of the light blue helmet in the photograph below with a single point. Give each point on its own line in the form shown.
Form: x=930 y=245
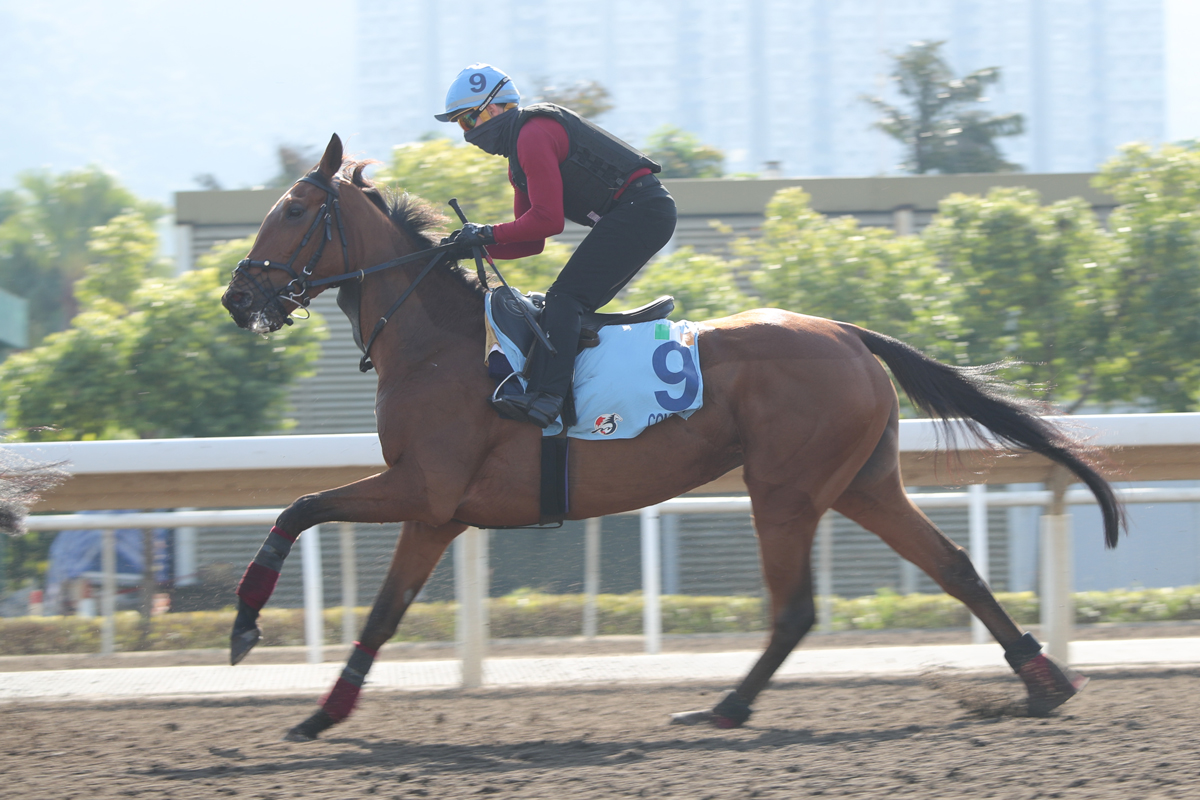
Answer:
x=477 y=85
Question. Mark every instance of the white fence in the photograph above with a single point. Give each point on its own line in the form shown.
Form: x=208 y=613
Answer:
x=1151 y=446
x=471 y=562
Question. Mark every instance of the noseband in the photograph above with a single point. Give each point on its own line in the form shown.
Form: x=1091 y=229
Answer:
x=298 y=287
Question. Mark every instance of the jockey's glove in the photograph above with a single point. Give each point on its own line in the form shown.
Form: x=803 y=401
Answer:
x=468 y=237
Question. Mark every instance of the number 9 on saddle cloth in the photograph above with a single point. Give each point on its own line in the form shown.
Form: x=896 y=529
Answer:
x=634 y=368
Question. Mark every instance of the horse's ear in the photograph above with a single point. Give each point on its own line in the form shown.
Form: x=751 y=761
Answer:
x=331 y=162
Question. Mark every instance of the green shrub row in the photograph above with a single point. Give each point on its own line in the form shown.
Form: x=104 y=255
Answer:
x=531 y=614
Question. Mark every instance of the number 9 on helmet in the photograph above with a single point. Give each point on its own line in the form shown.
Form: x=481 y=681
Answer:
x=472 y=88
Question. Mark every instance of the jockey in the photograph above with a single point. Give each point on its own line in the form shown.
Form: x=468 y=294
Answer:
x=561 y=167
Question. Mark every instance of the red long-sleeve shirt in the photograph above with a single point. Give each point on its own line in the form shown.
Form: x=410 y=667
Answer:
x=542 y=145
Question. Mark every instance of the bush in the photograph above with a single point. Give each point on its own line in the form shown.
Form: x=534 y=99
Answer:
x=527 y=614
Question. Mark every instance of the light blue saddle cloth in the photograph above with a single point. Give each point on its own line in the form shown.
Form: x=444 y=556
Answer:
x=638 y=375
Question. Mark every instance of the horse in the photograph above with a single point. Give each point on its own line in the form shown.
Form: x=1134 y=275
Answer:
x=802 y=404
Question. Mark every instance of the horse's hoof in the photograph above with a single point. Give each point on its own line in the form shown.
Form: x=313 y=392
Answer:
x=691 y=718
x=240 y=644
x=731 y=712
x=297 y=734
x=1050 y=683
x=308 y=730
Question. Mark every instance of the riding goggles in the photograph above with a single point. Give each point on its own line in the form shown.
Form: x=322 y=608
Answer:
x=471 y=117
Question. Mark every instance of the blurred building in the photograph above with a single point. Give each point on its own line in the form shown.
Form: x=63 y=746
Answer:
x=340 y=399
x=779 y=80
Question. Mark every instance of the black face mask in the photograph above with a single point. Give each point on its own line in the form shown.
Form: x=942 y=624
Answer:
x=495 y=135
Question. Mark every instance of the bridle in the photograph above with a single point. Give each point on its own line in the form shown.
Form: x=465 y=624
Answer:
x=297 y=289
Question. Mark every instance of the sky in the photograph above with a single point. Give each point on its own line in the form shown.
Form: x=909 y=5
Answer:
x=159 y=92
x=1183 y=69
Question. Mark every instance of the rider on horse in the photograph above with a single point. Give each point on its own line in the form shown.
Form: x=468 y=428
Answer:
x=561 y=166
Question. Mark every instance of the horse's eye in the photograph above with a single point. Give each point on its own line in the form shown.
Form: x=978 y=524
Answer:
x=295 y=210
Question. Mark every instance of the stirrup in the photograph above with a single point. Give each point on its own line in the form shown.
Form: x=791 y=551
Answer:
x=538 y=408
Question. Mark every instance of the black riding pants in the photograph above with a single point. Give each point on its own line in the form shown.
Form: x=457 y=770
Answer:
x=612 y=253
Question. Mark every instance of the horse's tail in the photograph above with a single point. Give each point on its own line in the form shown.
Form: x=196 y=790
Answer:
x=22 y=482
x=975 y=396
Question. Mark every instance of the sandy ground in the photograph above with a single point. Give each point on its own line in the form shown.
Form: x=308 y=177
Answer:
x=603 y=645
x=1131 y=734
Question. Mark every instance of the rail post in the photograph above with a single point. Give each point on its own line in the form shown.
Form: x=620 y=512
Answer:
x=977 y=525
x=825 y=573
x=349 y=582
x=591 y=575
x=1057 y=604
x=108 y=590
x=651 y=567
x=471 y=591
x=314 y=594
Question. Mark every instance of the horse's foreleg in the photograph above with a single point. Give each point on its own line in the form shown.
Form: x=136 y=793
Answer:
x=785 y=546
x=417 y=553
x=885 y=510
x=379 y=498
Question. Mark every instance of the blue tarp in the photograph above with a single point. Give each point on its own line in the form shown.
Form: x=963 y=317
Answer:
x=74 y=553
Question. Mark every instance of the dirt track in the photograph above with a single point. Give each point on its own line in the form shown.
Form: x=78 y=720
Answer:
x=1132 y=734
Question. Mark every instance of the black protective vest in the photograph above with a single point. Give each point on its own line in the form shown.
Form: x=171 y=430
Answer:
x=596 y=167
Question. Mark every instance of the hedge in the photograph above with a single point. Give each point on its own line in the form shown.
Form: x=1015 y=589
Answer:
x=531 y=614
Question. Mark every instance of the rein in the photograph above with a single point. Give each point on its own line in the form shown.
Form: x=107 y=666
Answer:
x=296 y=290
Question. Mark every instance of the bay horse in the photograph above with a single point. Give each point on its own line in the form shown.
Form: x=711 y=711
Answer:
x=802 y=404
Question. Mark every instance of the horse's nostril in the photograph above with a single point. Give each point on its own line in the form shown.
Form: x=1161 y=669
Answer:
x=238 y=300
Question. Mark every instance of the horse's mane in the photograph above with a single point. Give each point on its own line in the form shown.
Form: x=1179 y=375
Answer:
x=420 y=221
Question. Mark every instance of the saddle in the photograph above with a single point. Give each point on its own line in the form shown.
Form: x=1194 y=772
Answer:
x=509 y=319
x=507 y=316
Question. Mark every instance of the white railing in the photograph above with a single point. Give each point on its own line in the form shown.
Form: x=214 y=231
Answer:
x=110 y=474
x=471 y=559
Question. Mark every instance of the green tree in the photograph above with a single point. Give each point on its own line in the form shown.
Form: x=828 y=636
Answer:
x=45 y=229
x=683 y=155
x=294 y=163
x=532 y=273
x=939 y=130
x=167 y=364
x=72 y=386
x=437 y=170
x=586 y=98
x=703 y=285
x=1156 y=356
x=1036 y=287
x=868 y=276
x=123 y=254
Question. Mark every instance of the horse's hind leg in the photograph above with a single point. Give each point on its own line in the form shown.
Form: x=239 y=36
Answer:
x=417 y=553
x=785 y=547
x=880 y=505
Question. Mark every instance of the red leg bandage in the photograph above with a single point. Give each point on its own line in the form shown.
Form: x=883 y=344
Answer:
x=341 y=700
x=344 y=695
x=260 y=577
x=256 y=585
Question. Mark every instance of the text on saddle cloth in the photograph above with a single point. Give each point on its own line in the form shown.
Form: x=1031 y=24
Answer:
x=639 y=375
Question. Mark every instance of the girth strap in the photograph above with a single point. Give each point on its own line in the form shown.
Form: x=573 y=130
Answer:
x=555 y=498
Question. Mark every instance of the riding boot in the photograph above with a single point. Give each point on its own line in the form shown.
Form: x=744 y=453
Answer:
x=549 y=374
